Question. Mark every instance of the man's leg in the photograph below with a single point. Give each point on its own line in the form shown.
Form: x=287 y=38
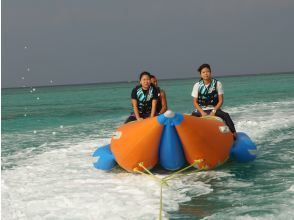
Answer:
x=132 y=117
x=226 y=117
x=196 y=114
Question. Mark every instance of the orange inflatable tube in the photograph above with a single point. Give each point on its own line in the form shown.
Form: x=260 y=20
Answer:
x=205 y=138
x=137 y=142
x=172 y=139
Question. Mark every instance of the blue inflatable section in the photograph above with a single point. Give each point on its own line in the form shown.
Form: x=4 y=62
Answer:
x=171 y=154
x=171 y=119
x=243 y=150
x=106 y=160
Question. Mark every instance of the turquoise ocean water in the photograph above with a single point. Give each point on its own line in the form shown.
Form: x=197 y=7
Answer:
x=49 y=134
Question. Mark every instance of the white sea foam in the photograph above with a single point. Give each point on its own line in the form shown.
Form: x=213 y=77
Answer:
x=291 y=189
x=62 y=184
x=259 y=119
x=271 y=212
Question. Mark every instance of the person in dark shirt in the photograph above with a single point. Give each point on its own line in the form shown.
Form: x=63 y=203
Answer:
x=161 y=106
x=144 y=99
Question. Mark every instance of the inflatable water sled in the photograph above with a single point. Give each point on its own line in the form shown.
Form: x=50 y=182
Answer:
x=174 y=140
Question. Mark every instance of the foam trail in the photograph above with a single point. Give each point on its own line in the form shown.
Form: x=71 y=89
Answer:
x=59 y=181
x=62 y=184
x=259 y=119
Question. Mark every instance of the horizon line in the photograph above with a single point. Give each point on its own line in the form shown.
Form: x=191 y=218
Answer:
x=130 y=81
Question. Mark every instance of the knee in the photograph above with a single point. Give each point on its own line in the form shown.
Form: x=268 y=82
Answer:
x=222 y=114
x=196 y=114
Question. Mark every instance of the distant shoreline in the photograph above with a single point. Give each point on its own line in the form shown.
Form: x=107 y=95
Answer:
x=161 y=79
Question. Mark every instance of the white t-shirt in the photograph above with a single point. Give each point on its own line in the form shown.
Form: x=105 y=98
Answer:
x=219 y=89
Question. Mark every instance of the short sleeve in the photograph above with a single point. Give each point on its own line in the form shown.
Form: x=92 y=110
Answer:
x=219 y=88
x=195 y=90
x=134 y=93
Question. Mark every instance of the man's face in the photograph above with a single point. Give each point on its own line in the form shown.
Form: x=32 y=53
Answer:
x=145 y=81
x=154 y=81
x=205 y=74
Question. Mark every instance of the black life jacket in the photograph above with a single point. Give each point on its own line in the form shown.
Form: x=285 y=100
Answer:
x=207 y=95
x=144 y=98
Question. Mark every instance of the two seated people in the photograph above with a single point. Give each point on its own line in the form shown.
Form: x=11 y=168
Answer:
x=149 y=100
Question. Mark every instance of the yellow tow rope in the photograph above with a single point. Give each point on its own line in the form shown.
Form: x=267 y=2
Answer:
x=163 y=181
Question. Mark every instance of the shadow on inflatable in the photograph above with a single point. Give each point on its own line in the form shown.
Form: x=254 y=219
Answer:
x=173 y=141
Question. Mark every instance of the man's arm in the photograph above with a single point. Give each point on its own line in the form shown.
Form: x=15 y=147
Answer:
x=218 y=105
x=220 y=92
x=153 y=110
x=136 y=110
x=163 y=102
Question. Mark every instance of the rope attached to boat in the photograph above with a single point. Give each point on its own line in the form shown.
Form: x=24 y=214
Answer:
x=163 y=181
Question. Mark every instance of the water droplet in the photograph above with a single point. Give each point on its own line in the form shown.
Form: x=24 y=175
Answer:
x=22 y=78
x=25 y=115
x=34 y=89
x=61 y=126
x=54 y=133
x=38 y=98
x=35 y=132
x=28 y=69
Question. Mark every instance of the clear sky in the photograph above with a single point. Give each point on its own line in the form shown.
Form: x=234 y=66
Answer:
x=53 y=42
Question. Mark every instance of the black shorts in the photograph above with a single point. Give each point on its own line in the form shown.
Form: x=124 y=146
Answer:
x=132 y=117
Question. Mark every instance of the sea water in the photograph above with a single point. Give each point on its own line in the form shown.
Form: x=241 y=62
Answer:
x=50 y=133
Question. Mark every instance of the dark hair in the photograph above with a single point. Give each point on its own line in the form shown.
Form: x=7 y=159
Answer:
x=204 y=65
x=144 y=74
x=152 y=77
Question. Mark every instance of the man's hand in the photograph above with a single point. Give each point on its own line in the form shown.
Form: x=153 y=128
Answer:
x=212 y=113
x=203 y=113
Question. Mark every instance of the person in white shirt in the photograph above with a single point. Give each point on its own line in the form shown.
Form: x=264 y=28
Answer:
x=208 y=96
